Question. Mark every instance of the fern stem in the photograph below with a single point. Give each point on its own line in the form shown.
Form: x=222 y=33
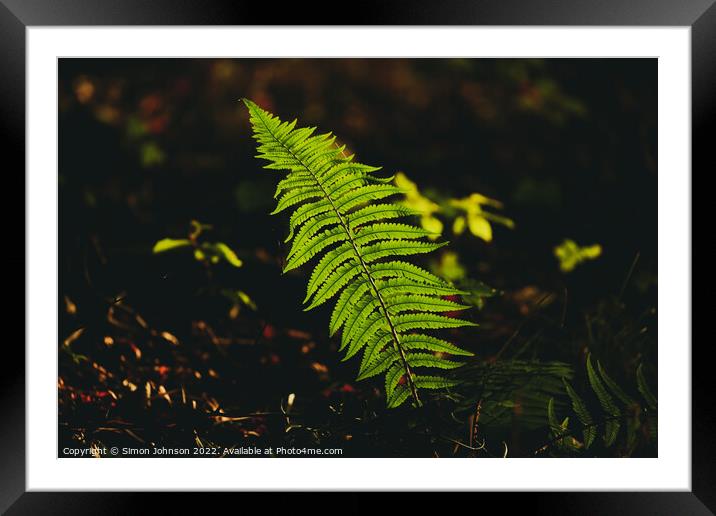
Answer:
x=364 y=266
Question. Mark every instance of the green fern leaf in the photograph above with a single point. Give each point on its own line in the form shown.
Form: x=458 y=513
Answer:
x=346 y=304
x=334 y=284
x=428 y=321
x=379 y=212
x=404 y=302
x=428 y=360
x=554 y=425
x=328 y=265
x=379 y=365
x=433 y=382
x=401 y=286
x=398 y=248
x=398 y=396
x=428 y=343
x=310 y=229
x=361 y=316
x=400 y=269
x=611 y=425
x=375 y=347
x=295 y=196
x=614 y=387
x=339 y=216
x=392 y=377
x=359 y=338
x=644 y=388
x=315 y=246
x=580 y=408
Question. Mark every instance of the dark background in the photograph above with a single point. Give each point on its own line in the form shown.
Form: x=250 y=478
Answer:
x=569 y=146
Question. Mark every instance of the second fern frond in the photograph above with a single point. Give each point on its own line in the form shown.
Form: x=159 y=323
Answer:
x=616 y=407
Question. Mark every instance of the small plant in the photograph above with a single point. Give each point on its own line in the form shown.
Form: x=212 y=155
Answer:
x=209 y=254
x=466 y=213
x=205 y=252
x=382 y=300
x=570 y=254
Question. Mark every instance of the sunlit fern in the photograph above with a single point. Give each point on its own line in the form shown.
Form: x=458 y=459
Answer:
x=382 y=299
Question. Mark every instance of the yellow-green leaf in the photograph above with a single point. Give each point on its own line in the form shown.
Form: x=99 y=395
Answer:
x=479 y=226
x=228 y=254
x=167 y=244
x=570 y=254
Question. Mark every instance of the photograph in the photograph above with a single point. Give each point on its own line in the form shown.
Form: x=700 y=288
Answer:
x=407 y=247
x=357 y=257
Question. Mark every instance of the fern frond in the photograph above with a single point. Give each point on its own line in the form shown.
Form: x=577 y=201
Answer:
x=339 y=217
x=611 y=416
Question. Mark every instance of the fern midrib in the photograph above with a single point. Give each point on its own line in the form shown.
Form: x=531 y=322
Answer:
x=359 y=257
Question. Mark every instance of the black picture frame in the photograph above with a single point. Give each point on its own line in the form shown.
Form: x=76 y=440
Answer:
x=17 y=15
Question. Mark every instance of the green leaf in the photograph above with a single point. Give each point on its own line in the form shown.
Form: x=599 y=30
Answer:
x=392 y=378
x=614 y=387
x=313 y=247
x=404 y=303
x=554 y=424
x=580 y=408
x=228 y=254
x=346 y=304
x=427 y=321
x=434 y=382
x=605 y=400
x=570 y=254
x=429 y=343
x=644 y=388
x=379 y=212
x=167 y=244
x=400 y=269
x=398 y=396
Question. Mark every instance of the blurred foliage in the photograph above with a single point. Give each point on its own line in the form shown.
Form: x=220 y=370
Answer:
x=448 y=266
x=161 y=348
x=205 y=252
x=468 y=211
x=570 y=254
x=416 y=201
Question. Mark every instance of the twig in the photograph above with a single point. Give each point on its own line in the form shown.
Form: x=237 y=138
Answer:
x=482 y=446
x=628 y=276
